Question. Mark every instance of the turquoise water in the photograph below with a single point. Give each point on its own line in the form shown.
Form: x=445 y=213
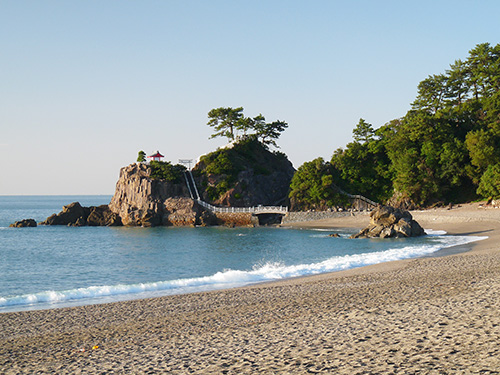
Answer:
x=54 y=266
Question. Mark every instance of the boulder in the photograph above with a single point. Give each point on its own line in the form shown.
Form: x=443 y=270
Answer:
x=24 y=223
x=102 y=216
x=71 y=214
x=388 y=222
x=75 y=215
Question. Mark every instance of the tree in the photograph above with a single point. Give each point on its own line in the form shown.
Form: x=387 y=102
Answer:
x=141 y=157
x=225 y=121
x=268 y=132
x=363 y=132
x=312 y=186
x=484 y=69
x=431 y=92
x=456 y=83
x=443 y=149
x=363 y=166
x=489 y=187
x=483 y=148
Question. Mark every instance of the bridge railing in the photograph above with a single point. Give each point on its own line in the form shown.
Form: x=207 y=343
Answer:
x=254 y=210
x=359 y=197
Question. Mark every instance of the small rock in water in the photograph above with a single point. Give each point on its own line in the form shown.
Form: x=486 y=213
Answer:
x=336 y=235
x=24 y=223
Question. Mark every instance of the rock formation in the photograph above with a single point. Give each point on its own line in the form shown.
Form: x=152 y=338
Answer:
x=387 y=222
x=246 y=175
x=23 y=223
x=146 y=195
x=141 y=200
x=75 y=215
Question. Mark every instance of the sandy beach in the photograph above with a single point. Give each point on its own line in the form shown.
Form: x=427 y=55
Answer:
x=437 y=315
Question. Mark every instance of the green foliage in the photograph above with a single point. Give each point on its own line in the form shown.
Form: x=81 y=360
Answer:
x=223 y=166
x=269 y=132
x=312 y=186
x=141 y=157
x=228 y=121
x=441 y=150
x=166 y=171
x=364 y=168
x=443 y=146
x=363 y=132
x=483 y=148
x=429 y=158
x=476 y=78
x=220 y=164
x=247 y=153
x=445 y=149
x=489 y=187
x=225 y=121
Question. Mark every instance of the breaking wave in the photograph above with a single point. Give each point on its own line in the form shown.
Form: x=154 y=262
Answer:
x=230 y=278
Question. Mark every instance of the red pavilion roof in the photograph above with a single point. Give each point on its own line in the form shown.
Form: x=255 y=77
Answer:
x=157 y=155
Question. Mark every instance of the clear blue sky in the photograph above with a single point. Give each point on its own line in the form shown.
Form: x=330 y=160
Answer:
x=85 y=85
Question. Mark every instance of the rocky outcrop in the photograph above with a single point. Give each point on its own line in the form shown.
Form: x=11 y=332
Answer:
x=75 y=215
x=252 y=189
x=184 y=211
x=237 y=219
x=158 y=194
x=387 y=222
x=141 y=200
x=23 y=223
x=102 y=216
x=248 y=174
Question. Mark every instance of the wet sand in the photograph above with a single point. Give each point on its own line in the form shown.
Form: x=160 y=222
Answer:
x=419 y=316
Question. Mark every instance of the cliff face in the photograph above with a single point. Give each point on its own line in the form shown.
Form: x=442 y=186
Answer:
x=142 y=200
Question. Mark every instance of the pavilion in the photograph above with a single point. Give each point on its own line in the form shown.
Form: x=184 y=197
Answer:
x=156 y=157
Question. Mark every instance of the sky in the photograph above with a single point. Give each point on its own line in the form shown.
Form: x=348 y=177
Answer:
x=85 y=85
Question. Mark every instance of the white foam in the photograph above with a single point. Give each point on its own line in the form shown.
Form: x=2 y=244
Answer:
x=229 y=278
x=435 y=232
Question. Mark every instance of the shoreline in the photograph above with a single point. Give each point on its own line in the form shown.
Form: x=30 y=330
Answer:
x=346 y=223
x=420 y=314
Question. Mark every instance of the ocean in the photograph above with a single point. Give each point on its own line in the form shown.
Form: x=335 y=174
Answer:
x=58 y=266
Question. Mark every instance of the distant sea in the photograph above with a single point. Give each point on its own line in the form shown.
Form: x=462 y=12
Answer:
x=56 y=266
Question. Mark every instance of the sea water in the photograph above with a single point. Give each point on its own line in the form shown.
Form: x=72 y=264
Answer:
x=56 y=266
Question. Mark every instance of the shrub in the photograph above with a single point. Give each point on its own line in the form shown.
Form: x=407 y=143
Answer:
x=489 y=187
x=141 y=157
x=166 y=171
